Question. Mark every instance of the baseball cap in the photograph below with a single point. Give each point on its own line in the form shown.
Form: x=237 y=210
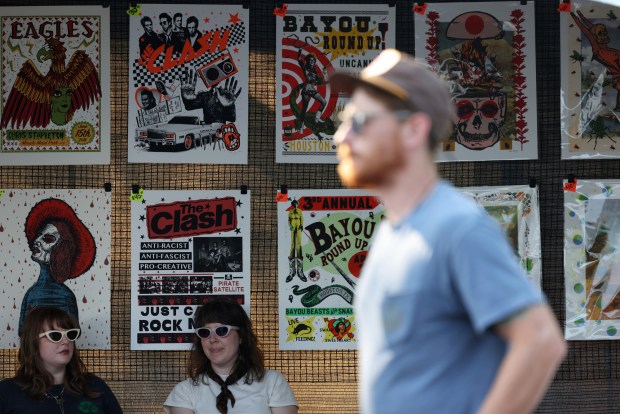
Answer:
x=408 y=79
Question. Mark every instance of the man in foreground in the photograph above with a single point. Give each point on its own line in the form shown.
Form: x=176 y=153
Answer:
x=447 y=322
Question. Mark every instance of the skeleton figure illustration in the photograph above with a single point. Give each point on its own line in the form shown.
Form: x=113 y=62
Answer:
x=308 y=90
x=64 y=249
x=296 y=258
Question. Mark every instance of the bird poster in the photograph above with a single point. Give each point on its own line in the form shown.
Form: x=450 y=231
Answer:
x=592 y=259
x=187 y=247
x=323 y=241
x=486 y=54
x=188 y=84
x=313 y=41
x=55 y=101
x=55 y=248
x=590 y=71
x=515 y=209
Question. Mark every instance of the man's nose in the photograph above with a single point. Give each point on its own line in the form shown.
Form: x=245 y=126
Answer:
x=344 y=133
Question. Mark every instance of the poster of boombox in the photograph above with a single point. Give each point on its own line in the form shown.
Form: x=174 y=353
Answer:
x=590 y=94
x=55 y=248
x=186 y=247
x=486 y=54
x=313 y=41
x=592 y=259
x=323 y=241
x=55 y=76
x=515 y=209
x=188 y=84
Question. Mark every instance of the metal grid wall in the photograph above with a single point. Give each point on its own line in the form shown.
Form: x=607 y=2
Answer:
x=324 y=382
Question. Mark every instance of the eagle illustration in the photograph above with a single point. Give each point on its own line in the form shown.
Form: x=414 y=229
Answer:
x=38 y=99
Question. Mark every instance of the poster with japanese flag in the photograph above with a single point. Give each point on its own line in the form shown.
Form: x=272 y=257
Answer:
x=56 y=252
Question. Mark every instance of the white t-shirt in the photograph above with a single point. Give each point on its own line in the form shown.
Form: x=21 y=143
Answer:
x=256 y=398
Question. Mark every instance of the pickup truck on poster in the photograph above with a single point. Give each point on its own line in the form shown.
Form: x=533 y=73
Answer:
x=182 y=132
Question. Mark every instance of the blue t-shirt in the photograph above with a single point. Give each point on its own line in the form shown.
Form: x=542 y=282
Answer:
x=431 y=290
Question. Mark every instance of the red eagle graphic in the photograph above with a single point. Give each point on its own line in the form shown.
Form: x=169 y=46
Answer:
x=30 y=98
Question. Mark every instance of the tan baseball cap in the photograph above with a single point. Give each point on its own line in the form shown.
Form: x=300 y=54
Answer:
x=408 y=79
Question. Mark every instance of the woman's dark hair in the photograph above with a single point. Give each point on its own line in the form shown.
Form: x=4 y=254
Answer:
x=31 y=375
x=250 y=362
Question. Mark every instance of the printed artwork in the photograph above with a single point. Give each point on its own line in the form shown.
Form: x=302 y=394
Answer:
x=515 y=209
x=56 y=252
x=55 y=85
x=485 y=52
x=323 y=240
x=187 y=248
x=188 y=84
x=312 y=42
x=592 y=259
x=590 y=96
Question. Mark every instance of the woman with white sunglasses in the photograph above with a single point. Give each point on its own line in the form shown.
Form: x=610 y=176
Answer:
x=51 y=377
x=226 y=369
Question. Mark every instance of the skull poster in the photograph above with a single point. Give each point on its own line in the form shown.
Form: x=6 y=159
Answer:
x=188 y=84
x=55 y=99
x=485 y=52
x=592 y=259
x=56 y=249
x=590 y=95
x=187 y=248
x=515 y=209
x=312 y=42
x=323 y=240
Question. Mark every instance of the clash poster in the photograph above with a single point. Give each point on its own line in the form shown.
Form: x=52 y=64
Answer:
x=515 y=209
x=590 y=95
x=323 y=240
x=55 y=248
x=188 y=84
x=187 y=247
x=55 y=76
x=592 y=259
x=312 y=42
x=486 y=54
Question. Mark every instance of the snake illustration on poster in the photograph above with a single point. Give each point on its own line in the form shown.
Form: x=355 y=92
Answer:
x=486 y=54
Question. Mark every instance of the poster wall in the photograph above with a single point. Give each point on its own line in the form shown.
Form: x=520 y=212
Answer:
x=485 y=52
x=323 y=240
x=55 y=85
x=313 y=41
x=56 y=252
x=188 y=84
x=186 y=247
x=592 y=259
x=590 y=95
x=515 y=209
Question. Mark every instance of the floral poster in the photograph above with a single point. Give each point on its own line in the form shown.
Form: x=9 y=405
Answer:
x=187 y=247
x=515 y=209
x=323 y=240
x=485 y=52
x=590 y=95
x=313 y=41
x=55 y=85
x=592 y=259
x=188 y=84
x=56 y=252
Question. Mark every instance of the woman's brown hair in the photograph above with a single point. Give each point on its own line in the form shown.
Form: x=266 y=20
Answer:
x=31 y=375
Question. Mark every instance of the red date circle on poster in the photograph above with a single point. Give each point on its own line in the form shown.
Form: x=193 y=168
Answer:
x=356 y=262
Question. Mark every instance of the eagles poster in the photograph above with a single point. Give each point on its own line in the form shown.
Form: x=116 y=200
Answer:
x=188 y=84
x=55 y=99
x=187 y=247
x=323 y=240
x=515 y=209
x=592 y=259
x=590 y=95
x=485 y=52
x=56 y=252
x=313 y=41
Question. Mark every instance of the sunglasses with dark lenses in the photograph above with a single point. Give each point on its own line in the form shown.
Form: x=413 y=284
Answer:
x=359 y=119
x=56 y=336
x=221 y=331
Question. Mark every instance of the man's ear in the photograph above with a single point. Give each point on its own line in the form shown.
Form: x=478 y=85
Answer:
x=416 y=130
